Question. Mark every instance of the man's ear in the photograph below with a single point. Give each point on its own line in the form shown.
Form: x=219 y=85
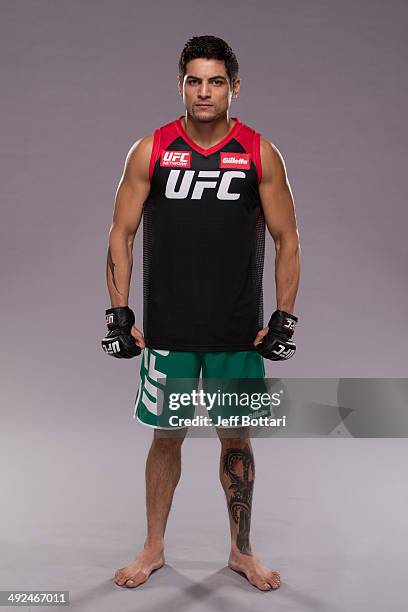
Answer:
x=235 y=88
x=180 y=86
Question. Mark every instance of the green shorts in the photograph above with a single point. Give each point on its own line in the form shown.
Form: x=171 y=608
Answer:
x=168 y=391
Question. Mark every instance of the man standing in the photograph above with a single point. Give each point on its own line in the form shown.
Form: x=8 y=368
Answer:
x=205 y=185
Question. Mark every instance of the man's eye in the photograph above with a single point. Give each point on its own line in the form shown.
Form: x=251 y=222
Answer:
x=217 y=82
x=192 y=81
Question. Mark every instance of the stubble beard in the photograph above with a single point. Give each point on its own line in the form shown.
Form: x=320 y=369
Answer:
x=206 y=117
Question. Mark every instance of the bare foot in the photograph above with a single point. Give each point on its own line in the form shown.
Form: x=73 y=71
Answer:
x=139 y=570
x=256 y=573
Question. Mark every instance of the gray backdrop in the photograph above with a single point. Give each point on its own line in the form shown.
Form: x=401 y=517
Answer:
x=326 y=82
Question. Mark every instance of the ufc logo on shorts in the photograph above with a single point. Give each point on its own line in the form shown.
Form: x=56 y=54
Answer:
x=112 y=347
x=109 y=319
x=175 y=159
x=195 y=186
x=151 y=383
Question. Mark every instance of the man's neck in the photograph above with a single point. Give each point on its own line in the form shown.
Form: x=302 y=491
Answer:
x=208 y=134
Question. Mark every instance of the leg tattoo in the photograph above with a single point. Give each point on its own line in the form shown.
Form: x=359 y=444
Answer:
x=236 y=461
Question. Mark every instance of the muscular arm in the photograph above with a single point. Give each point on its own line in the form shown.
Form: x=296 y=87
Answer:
x=279 y=212
x=132 y=191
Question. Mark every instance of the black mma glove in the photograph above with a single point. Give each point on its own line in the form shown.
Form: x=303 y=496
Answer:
x=119 y=342
x=277 y=344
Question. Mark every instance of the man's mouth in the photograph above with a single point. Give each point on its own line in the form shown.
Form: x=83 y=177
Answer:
x=203 y=105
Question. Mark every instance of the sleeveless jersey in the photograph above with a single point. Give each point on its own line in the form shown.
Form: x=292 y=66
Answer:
x=203 y=242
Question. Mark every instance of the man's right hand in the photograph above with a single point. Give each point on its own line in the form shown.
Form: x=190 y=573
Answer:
x=122 y=341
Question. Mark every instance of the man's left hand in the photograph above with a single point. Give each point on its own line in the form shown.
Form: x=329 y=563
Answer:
x=274 y=341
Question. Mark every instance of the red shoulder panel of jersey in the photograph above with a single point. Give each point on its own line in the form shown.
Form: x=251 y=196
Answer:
x=163 y=136
x=246 y=136
x=251 y=141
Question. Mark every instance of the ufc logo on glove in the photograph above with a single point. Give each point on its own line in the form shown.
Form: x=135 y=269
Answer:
x=111 y=348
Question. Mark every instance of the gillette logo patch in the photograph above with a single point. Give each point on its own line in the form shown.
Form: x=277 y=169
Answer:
x=235 y=160
x=175 y=159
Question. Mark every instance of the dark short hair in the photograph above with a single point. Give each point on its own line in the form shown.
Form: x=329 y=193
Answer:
x=209 y=47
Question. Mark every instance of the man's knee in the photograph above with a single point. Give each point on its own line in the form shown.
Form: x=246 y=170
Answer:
x=169 y=438
x=234 y=436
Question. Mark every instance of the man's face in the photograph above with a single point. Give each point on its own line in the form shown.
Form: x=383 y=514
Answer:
x=206 y=90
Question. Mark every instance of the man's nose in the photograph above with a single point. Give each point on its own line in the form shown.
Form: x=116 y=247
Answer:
x=204 y=90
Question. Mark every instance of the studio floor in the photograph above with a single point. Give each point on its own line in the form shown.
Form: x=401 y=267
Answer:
x=328 y=514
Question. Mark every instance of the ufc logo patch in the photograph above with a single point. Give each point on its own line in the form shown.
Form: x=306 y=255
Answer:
x=109 y=319
x=175 y=159
x=235 y=160
x=193 y=187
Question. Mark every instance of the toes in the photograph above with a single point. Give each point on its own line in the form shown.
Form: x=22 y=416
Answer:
x=264 y=586
x=131 y=584
x=274 y=580
x=120 y=577
x=259 y=581
x=131 y=579
x=137 y=579
x=267 y=581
